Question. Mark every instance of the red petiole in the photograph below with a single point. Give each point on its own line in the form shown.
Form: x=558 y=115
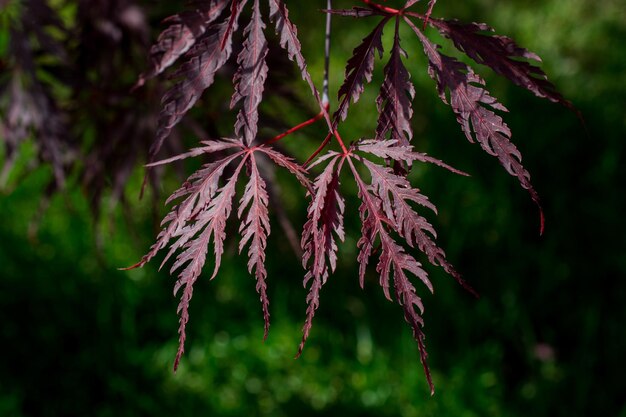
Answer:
x=385 y=9
x=312 y=120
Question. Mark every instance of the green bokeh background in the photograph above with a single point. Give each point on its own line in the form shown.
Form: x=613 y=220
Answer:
x=546 y=338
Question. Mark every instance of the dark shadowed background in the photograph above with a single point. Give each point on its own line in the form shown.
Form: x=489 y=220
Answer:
x=546 y=338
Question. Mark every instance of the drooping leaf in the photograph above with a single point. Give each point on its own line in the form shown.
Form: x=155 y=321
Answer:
x=394 y=258
x=288 y=36
x=255 y=228
x=199 y=221
x=250 y=77
x=325 y=219
x=210 y=223
x=474 y=108
x=502 y=55
x=184 y=30
x=359 y=69
x=396 y=94
x=195 y=75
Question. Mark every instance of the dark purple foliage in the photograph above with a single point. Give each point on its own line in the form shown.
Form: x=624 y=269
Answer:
x=392 y=227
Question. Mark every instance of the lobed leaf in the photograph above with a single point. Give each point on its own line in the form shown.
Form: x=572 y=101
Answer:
x=502 y=55
x=196 y=75
x=184 y=31
x=255 y=228
x=393 y=262
x=209 y=224
x=325 y=219
x=359 y=69
x=395 y=97
x=250 y=77
x=473 y=106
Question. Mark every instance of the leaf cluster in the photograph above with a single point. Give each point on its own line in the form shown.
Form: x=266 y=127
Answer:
x=393 y=228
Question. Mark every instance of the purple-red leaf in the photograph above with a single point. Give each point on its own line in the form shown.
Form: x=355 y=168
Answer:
x=184 y=31
x=359 y=69
x=288 y=163
x=195 y=76
x=200 y=220
x=410 y=3
x=325 y=218
x=288 y=35
x=389 y=149
x=250 y=77
x=502 y=55
x=199 y=190
x=396 y=95
x=393 y=261
x=255 y=228
x=473 y=106
x=209 y=223
x=395 y=193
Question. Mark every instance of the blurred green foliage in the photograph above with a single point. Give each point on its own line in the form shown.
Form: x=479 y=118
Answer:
x=546 y=338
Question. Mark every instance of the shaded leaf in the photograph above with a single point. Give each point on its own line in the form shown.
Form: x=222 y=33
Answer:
x=502 y=55
x=250 y=77
x=195 y=75
x=184 y=30
x=474 y=109
x=359 y=69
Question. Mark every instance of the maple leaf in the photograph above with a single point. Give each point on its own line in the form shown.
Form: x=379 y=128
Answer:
x=250 y=77
x=325 y=217
x=396 y=94
x=196 y=75
x=288 y=40
x=389 y=149
x=184 y=30
x=254 y=229
x=359 y=69
x=395 y=193
x=210 y=222
x=199 y=221
x=472 y=105
x=392 y=258
x=501 y=54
